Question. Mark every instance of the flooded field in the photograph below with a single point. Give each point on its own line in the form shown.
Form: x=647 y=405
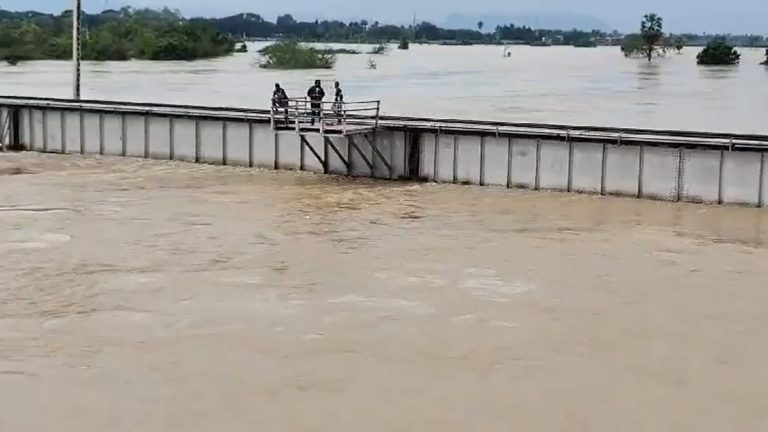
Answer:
x=158 y=296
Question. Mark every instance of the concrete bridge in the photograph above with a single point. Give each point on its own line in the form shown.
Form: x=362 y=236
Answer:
x=656 y=164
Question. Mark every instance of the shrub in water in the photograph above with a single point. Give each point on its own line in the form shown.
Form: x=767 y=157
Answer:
x=294 y=55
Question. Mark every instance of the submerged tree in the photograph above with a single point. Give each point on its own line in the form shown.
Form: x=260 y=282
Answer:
x=679 y=44
x=718 y=52
x=404 y=43
x=379 y=49
x=652 y=33
x=293 y=55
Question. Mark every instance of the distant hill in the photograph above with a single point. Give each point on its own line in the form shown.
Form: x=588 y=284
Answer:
x=541 y=21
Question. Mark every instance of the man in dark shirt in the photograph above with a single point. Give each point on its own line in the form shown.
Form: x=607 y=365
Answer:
x=280 y=100
x=338 y=101
x=316 y=95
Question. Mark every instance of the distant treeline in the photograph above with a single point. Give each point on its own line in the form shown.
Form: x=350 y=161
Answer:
x=253 y=26
x=165 y=35
x=110 y=35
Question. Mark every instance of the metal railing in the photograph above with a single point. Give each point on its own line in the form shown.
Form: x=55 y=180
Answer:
x=302 y=113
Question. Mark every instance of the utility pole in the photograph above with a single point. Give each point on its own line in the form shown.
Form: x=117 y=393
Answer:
x=76 y=21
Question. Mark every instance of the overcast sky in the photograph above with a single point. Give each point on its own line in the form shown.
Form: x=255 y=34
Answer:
x=680 y=15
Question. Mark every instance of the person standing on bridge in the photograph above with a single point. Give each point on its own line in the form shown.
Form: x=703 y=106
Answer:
x=316 y=95
x=338 y=102
x=280 y=100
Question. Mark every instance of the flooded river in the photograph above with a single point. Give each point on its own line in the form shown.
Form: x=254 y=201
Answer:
x=160 y=296
x=550 y=85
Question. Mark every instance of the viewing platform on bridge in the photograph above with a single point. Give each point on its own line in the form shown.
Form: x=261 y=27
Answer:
x=302 y=116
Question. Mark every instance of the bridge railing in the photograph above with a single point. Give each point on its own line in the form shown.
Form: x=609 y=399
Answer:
x=300 y=113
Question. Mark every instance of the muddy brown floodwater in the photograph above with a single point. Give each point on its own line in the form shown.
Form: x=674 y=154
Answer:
x=158 y=296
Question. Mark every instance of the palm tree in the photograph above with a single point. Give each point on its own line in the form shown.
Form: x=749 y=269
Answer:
x=480 y=25
x=652 y=32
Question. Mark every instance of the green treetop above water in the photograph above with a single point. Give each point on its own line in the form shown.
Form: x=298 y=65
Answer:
x=111 y=35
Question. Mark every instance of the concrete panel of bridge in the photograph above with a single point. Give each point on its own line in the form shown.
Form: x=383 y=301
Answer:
x=335 y=163
x=310 y=161
x=24 y=124
x=446 y=151
x=72 y=132
x=660 y=175
x=160 y=138
x=587 y=167
x=265 y=145
x=553 y=165
x=211 y=142
x=184 y=140
x=134 y=135
x=37 y=131
x=288 y=151
x=91 y=133
x=54 y=137
x=427 y=146
x=357 y=165
x=385 y=144
x=622 y=170
x=524 y=163
x=397 y=152
x=113 y=134
x=495 y=161
x=468 y=159
x=701 y=176
x=237 y=148
x=741 y=178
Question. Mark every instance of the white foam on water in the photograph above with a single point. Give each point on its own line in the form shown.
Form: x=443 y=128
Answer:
x=19 y=240
x=383 y=303
x=488 y=285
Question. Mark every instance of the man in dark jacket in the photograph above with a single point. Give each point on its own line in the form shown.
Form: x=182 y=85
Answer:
x=316 y=95
x=280 y=100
